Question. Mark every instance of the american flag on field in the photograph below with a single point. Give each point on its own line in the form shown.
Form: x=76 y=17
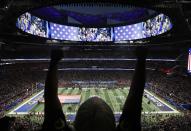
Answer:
x=189 y=61
x=129 y=32
x=63 y=32
x=69 y=99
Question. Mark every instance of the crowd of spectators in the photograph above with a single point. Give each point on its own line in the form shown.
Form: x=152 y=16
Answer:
x=18 y=82
x=120 y=78
x=159 y=122
x=150 y=122
x=174 y=88
x=31 y=52
x=21 y=123
x=124 y=64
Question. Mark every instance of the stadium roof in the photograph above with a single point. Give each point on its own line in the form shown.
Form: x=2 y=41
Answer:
x=88 y=14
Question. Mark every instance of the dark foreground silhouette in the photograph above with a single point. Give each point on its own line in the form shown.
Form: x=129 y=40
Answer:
x=94 y=114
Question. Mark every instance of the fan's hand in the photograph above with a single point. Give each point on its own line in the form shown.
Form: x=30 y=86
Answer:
x=56 y=55
x=141 y=52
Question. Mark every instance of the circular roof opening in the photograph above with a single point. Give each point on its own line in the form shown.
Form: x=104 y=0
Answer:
x=94 y=15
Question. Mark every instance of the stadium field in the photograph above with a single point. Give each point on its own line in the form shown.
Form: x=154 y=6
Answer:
x=114 y=97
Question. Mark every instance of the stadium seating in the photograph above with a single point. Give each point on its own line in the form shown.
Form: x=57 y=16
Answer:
x=18 y=81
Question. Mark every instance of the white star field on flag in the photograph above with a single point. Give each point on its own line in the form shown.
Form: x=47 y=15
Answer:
x=156 y=26
x=129 y=32
x=63 y=32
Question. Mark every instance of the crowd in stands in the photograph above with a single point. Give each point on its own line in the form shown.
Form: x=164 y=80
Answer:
x=30 y=53
x=119 y=78
x=150 y=122
x=18 y=82
x=174 y=88
x=22 y=123
x=159 y=122
x=126 y=64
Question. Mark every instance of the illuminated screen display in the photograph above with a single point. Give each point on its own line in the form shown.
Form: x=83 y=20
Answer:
x=130 y=32
x=63 y=32
x=32 y=25
x=156 y=26
x=95 y=34
x=36 y=26
x=152 y=27
x=189 y=61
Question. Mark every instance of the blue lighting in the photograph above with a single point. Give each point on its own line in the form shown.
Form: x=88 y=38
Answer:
x=63 y=32
x=33 y=25
x=152 y=27
x=36 y=26
x=130 y=32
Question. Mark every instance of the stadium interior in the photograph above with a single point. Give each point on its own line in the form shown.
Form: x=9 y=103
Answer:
x=98 y=42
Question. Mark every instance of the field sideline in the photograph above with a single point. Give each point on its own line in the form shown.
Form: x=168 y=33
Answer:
x=114 y=97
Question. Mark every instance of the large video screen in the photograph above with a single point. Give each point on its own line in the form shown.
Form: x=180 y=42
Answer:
x=129 y=32
x=63 y=32
x=189 y=61
x=36 y=26
x=33 y=25
x=152 y=27
x=95 y=34
x=156 y=26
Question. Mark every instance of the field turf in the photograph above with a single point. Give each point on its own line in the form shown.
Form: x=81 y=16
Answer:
x=115 y=98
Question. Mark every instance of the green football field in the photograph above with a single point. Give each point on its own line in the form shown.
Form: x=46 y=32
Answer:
x=114 y=97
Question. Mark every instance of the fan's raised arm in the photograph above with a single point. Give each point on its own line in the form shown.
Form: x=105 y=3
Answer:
x=131 y=115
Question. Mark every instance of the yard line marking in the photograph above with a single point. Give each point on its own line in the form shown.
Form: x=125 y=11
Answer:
x=174 y=110
x=13 y=111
